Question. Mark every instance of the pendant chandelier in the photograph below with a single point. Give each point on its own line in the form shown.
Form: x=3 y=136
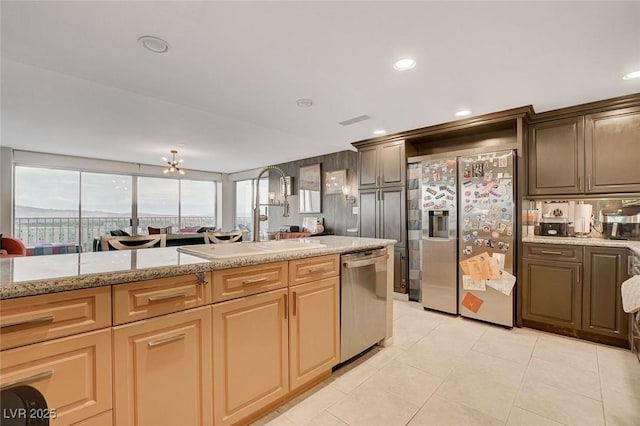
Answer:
x=173 y=164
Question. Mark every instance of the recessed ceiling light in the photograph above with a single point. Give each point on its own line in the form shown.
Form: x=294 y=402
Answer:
x=404 y=64
x=154 y=44
x=463 y=113
x=304 y=103
x=632 y=75
x=380 y=132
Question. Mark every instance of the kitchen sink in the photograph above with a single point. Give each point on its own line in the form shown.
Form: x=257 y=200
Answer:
x=224 y=251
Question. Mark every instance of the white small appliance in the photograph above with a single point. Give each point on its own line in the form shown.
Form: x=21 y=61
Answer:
x=582 y=219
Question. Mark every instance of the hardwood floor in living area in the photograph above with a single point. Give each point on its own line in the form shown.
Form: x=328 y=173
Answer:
x=443 y=370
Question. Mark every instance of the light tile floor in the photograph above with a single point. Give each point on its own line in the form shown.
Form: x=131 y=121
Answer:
x=443 y=370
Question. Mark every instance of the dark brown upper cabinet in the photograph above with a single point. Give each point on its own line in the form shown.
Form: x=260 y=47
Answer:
x=556 y=157
x=612 y=151
x=595 y=153
x=382 y=165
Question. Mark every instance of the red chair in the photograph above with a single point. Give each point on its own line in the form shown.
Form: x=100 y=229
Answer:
x=12 y=247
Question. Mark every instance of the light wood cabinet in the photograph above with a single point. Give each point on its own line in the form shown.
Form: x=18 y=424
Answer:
x=162 y=370
x=313 y=268
x=34 y=319
x=247 y=280
x=314 y=330
x=102 y=419
x=151 y=298
x=382 y=165
x=250 y=354
x=592 y=154
x=73 y=374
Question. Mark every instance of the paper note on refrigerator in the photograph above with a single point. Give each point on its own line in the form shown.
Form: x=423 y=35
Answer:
x=504 y=285
x=481 y=267
x=501 y=258
x=472 y=302
x=469 y=284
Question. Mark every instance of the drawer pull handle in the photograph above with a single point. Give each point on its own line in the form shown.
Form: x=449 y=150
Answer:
x=286 y=306
x=167 y=340
x=201 y=277
x=321 y=269
x=255 y=280
x=167 y=296
x=48 y=318
x=25 y=380
x=559 y=253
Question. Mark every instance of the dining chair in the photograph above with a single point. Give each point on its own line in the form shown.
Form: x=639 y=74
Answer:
x=136 y=242
x=224 y=237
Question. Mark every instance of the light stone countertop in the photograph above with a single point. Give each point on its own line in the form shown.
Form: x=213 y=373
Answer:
x=32 y=275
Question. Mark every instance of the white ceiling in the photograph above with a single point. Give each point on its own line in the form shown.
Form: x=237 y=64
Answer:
x=75 y=81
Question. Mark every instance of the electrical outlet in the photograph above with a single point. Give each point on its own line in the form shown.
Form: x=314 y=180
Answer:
x=354 y=210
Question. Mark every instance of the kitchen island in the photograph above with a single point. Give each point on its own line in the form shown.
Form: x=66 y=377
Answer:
x=165 y=337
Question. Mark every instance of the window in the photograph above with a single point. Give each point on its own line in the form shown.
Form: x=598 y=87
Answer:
x=158 y=203
x=106 y=205
x=57 y=206
x=245 y=197
x=197 y=203
x=46 y=205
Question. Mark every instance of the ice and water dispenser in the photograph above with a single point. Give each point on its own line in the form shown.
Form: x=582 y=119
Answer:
x=438 y=223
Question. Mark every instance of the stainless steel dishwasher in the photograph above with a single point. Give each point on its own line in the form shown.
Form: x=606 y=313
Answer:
x=363 y=301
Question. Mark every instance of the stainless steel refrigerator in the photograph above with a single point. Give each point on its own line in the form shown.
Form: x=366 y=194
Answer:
x=487 y=225
x=439 y=245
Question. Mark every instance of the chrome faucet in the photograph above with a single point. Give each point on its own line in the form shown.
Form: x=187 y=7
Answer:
x=256 y=208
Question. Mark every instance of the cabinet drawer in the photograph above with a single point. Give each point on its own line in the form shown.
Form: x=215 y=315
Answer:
x=238 y=282
x=72 y=373
x=146 y=299
x=313 y=268
x=34 y=319
x=560 y=252
x=103 y=419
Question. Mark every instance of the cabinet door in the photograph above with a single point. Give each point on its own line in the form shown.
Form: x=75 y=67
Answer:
x=556 y=157
x=552 y=293
x=73 y=373
x=162 y=370
x=314 y=330
x=612 y=151
x=392 y=215
x=400 y=270
x=604 y=271
x=368 y=167
x=250 y=354
x=393 y=164
x=369 y=213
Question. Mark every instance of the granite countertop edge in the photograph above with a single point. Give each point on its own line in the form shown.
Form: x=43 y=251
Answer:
x=78 y=282
x=634 y=246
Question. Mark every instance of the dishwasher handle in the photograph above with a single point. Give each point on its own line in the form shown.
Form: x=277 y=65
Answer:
x=364 y=262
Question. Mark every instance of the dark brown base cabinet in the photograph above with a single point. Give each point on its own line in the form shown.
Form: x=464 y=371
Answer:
x=575 y=291
x=552 y=293
x=604 y=270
